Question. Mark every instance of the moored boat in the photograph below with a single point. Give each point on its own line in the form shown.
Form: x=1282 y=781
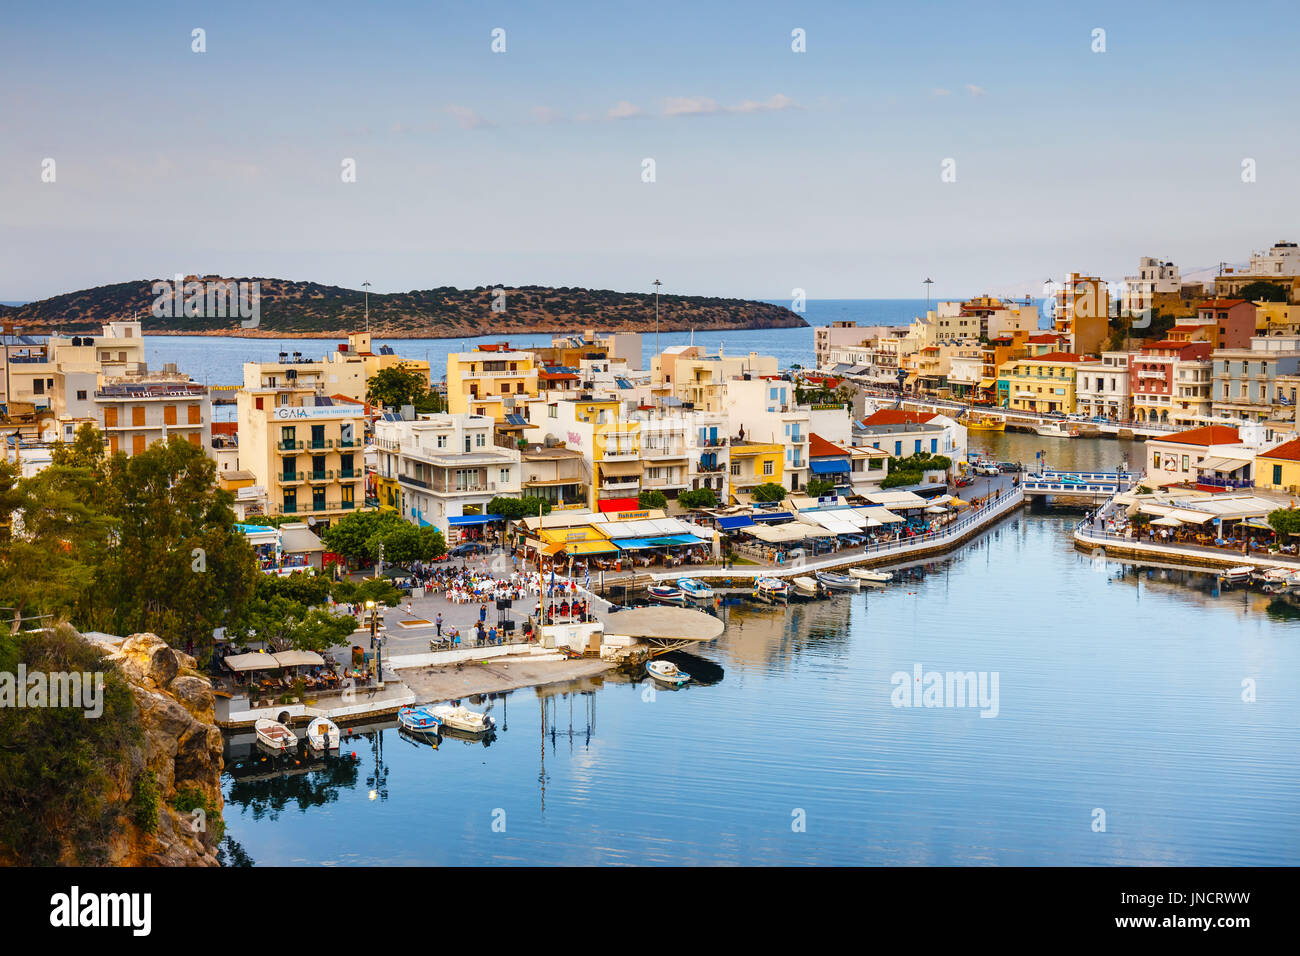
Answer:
x=806 y=586
x=667 y=672
x=275 y=735
x=695 y=590
x=984 y=423
x=323 y=734
x=419 y=720
x=459 y=717
x=771 y=589
x=870 y=576
x=1238 y=575
x=666 y=594
x=837 y=582
x=1056 y=430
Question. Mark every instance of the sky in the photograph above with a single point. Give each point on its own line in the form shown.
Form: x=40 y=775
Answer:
x=774 y=170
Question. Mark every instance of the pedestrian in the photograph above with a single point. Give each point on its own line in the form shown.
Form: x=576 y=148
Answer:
x=438 y=623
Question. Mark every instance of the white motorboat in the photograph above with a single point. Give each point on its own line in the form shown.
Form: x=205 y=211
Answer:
x=323 y=734
x=666 y=594
x=667 y=672
x=695 y=590
x=871 y=577
x=806 y=586
x=771 y=589
x=459 y=717
x=837 y=582
x=1239 y=575
x=1056 y=430
x=275 y=735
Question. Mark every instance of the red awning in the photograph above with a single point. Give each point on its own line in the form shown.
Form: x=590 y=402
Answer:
x=619 y=504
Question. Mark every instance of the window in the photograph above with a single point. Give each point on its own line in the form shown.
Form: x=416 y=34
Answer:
x=38 y=386
x=505 y=476
x=735 y=469
x=258 y=403
x=442 y=441
x=1184 y=463
x=169 y=414
x=934 y=445
x=1155 y=460
x=480 y=440
x=898 y=449
x=767 y=468
x=81 y=394
x=1277 y=474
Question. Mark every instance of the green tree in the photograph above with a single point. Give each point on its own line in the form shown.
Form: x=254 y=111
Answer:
x=769 y=491
x=516 y=509
x=820 y=487
x=285 y=624
x=1285 y=521
x=700 y=498
x=1262 y=291
x=403 y=384
x=651 y=499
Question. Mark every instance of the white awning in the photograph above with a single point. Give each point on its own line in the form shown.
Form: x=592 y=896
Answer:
x=252 y=662
x=1222 y=466
x=299 y=659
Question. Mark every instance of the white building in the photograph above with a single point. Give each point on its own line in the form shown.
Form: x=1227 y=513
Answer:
x=446 y=467
x=1101 y=388
x=765 y=408
x=1154 y=275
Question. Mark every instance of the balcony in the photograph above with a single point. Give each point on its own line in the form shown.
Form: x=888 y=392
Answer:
x=353 y=443
x=316 y=476
x=621 y=483
x=710 y=466
x=318 y=444
x=620 y=454
x=711 y=442
x=345 y=473
x=288 y=445
x=348 y=505
x=291 y=477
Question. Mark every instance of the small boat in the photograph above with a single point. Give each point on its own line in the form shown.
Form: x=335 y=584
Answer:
x=985 y=423
x=837 y=582
x=275 y=735
x=666 y=594
x=871 y=577
x=1239 y=575
x=695 y=590
x=667 y=672
x=323 y=734
x=771 y=589
x=1056 y=430
x=419 y=720
x=806 y=586
x=460 y=717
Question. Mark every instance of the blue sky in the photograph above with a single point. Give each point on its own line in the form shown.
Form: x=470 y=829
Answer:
x=774 y=170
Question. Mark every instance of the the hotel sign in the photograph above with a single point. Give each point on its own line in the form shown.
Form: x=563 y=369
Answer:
x=290 y=413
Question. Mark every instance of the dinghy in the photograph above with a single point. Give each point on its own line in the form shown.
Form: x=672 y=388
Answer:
x=1239 y=575
x=275 y=735
x=771 y=589
x=419 y=720
x=667 y=672
x=459 y=717
x=323 y=734
x=837 y=582
x=806 y=586
x=871 y=577
x=695 y=590
x=666 y=594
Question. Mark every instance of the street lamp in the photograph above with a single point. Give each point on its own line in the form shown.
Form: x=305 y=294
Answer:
x=366 y=286
x=657 y=284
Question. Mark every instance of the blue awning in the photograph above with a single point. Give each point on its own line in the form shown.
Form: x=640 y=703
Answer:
x=633 y=544
x=828 y=466
x=731 y=524
x=773 y=516
x=454 y=520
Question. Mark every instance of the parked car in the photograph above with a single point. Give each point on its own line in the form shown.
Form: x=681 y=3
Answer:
x=468 y=548
x=986 y=468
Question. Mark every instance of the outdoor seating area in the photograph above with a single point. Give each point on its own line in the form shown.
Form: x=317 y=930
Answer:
x=1231 y=523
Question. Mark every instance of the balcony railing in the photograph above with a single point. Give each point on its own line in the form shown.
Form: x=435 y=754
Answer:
x=288 y=444
x=321 y=475
x=291 y=477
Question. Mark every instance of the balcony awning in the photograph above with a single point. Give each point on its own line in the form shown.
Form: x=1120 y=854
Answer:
x=583 y=548
x=987 y=382
x=828 y=466
x=1222 y=466
x=456 y=520
x=735 y=523
x=620 y=469
x=773 y=516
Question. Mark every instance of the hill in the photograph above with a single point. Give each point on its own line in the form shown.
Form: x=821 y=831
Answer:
x=309 y=309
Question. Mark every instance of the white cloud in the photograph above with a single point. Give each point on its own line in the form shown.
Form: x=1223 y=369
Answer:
x=940 y=91
x=467 y=118
x=690 y=106
x=623 y=110
x=777 y=102
x=974 y=90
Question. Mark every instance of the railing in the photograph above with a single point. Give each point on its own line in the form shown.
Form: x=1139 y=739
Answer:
x=353 y=443
x=349 y=473
x=320 y=475
x=289 y=477
x=288 y=444
x=1226 y=482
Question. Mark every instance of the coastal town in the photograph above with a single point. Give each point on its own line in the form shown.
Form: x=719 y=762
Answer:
x=604 y=510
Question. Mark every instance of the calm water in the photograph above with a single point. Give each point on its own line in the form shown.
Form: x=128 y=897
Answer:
x=1119 y=689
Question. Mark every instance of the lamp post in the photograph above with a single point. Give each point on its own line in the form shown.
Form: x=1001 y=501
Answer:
x=657 y=284
x=366 y=286
x=927 y=283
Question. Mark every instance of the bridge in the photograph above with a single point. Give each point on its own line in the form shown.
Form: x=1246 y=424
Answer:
x=1094 y=485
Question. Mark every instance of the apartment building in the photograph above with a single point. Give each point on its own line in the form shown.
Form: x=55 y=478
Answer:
x=841 y=334
x=1156 y=277
x=350 y=367
x=1102 y=387
x=1280 y=266
x=1245 y=385
x=700 y=379
x=446 y=469
x=1153 y=377
x=1042 y=383
x=709 y=447
x=763 y=410
x=492 y=380
x=1082 y=313
x=1224 y=323
x=559 y=475
x=305 y=448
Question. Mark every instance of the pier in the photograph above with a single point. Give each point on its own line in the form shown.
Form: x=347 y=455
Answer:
x=1093 y=486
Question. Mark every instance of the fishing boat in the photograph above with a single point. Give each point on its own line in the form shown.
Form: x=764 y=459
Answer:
x=419 y=720
x=806 y=586
x=1239 y=575
x=323 y=734
x=771 y=589
x=460 y=717
x=695 y=590
x=667 y=672
x=983 y=423
x=666 y=594
x=1056 y=430
x=275 y=735
x=871 y=577
x=837 y=582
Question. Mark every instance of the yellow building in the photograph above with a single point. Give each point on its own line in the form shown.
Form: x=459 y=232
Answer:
x=755 y=463
x=1043 y=383
x=617 y=469
x=1278 y=469
x=1277 y=318
x=700 y=379
x=1083 y=313
x=305 y=449
x=354 y=363
x=490 y=380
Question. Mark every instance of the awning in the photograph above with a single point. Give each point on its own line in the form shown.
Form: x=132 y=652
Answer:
x=618 y=504
x=828 y=466
x=1168 y=522
x=299 y=659
x=620 y=469
x=987 y=382
x=1222 y=466
x=252 y=662
x=783 y=534
x=732 y=524
x=582 y=548
x=772 y=516
x=457 y=520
